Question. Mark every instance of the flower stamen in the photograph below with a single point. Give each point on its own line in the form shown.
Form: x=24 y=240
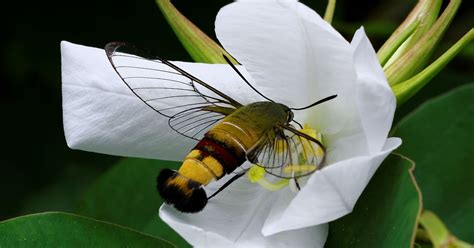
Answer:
x=314 y=134
x=256 y=174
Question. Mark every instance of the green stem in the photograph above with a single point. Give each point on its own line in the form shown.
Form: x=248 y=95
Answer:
x=328 y=15
x=436 y=231
x=410 y=87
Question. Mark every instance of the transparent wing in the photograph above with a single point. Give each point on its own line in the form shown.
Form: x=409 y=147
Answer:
x=288 y=153
x=169 y=90
x=194 y=122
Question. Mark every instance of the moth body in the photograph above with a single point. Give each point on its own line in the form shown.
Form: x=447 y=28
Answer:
x=227 y=132
x=220 y=152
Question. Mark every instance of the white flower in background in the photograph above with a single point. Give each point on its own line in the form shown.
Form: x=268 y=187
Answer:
x=294 y=57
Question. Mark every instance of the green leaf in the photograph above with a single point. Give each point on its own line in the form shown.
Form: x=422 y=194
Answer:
x=386 y=213
x=439 y=136
x=56 y=229
x=127 y=195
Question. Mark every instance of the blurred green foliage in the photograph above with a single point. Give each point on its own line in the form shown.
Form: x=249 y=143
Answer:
x=38 y=171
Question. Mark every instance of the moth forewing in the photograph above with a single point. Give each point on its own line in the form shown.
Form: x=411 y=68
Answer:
x=160 y=84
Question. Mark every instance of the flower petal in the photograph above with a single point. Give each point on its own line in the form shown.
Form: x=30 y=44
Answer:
x=102 y=115
x=375 y=99
x=287 y=47
x=235 y=217
x=329 y=193
x=283 y=51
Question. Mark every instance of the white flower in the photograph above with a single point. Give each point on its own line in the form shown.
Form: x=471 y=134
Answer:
x=294 y=57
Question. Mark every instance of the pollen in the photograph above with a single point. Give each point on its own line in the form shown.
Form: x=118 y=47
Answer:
x=309 y=153
x=314 y=134
x=256 y=173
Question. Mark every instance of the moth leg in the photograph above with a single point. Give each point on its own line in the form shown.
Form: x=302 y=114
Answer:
x=228 y=183
x=294 y=185
x=297 y=184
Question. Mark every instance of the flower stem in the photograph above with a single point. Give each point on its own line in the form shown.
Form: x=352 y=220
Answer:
x=328 y=15
x=433 y=230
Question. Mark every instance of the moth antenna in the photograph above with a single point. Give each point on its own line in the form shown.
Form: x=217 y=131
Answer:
x=245 y=80
x=316 y=103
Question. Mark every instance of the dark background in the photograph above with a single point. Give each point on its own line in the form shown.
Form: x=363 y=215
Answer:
x=38 y=171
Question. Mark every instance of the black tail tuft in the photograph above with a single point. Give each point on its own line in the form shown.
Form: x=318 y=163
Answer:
x=186 y=195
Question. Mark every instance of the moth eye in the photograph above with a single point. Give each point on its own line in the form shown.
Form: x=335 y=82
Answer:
x=290 y=116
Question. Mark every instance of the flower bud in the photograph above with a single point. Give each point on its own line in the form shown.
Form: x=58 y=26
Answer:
x=413 y=60
x=405 y=55
x=199 y=46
